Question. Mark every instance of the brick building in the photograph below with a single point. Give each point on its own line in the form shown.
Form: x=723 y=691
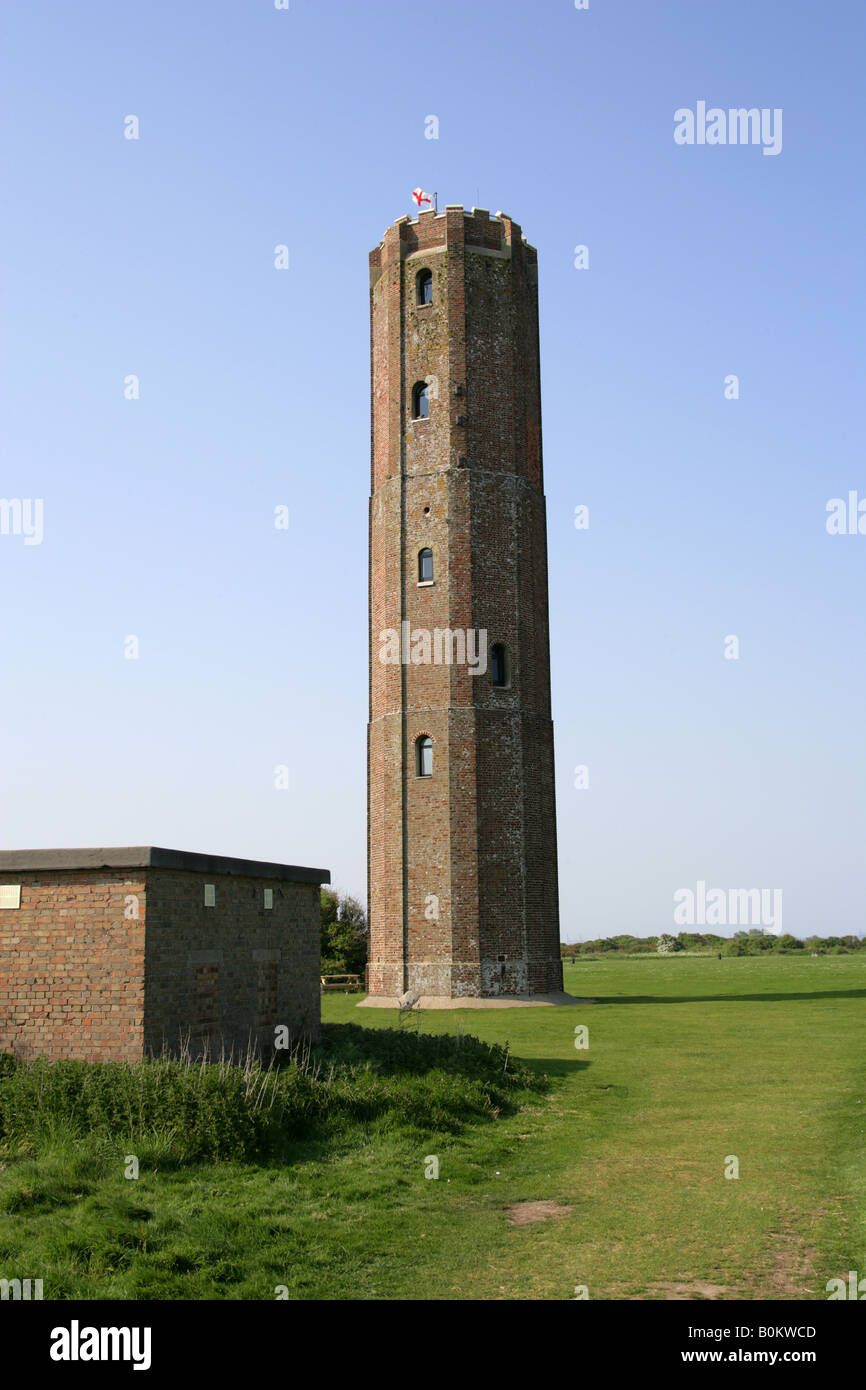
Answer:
x=462 y=864
x=112 y=954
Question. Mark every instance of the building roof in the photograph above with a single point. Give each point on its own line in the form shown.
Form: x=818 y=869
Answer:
x=151 y=857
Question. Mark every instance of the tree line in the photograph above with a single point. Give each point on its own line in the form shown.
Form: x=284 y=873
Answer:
x=753 y=942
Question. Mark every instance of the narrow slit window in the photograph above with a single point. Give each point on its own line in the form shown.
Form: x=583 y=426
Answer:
x=424 y=287
x=424 y=756
x=421 y=401
x=498 y=665
x=425 y=566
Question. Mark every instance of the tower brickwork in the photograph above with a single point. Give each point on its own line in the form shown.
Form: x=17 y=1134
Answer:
x=462 y=864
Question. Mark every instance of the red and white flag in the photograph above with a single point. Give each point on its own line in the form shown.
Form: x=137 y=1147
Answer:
x=420 y=196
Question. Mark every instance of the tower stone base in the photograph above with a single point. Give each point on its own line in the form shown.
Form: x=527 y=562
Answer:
x=437 y=1001
x=490 y=979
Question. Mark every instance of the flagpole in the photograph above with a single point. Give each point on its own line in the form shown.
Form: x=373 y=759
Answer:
x=435 y=204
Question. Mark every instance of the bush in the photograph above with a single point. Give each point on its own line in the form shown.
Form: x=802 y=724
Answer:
x=222 y=1110
x=344 y=934
x=668 y=944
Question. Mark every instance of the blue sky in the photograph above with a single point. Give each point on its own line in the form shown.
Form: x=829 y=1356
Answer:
x=155 y=257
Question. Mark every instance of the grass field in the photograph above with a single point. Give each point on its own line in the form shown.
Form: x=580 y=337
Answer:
x=690 y=1061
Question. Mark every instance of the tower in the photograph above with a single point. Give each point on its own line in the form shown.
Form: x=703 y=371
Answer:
x=462 y=868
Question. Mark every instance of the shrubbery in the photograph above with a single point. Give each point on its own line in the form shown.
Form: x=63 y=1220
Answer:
x=667 y=945
x=223 y=1110
x=743 y=943
x=344 y=934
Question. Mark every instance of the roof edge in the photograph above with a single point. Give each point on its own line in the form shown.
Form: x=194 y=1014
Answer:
x=155 y=857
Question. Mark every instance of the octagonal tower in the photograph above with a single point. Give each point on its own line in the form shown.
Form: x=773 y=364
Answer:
x=462 y=866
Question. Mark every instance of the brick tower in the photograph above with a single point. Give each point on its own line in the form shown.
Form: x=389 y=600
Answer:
x=461 y=812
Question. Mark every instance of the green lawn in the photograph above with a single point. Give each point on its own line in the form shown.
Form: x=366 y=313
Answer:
x=690 y=1060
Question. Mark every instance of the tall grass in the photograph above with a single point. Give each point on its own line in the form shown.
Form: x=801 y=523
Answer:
x=248 y=1107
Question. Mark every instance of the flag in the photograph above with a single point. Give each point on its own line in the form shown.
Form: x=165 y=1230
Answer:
x=420 y=196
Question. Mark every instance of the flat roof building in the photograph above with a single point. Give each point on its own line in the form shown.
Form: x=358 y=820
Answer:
x=115 y=954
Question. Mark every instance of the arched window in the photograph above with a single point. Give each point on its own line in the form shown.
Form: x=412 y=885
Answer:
x=498 y=665
x=424 y=287
x=425 y=566
x=424 y=756
x=420 y=401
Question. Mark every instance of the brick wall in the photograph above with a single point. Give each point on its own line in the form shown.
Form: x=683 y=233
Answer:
x=231 y=972
x=72 y=965
x=110 y=964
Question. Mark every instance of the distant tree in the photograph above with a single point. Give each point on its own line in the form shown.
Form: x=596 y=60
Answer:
x=329 y=906
x=667 y=944
x=786 y=942
x=741 y=944
x=343 y=935
x=700 y=941
x=752 y=942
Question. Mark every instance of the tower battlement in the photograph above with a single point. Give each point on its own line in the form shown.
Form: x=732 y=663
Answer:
x=475 y=229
